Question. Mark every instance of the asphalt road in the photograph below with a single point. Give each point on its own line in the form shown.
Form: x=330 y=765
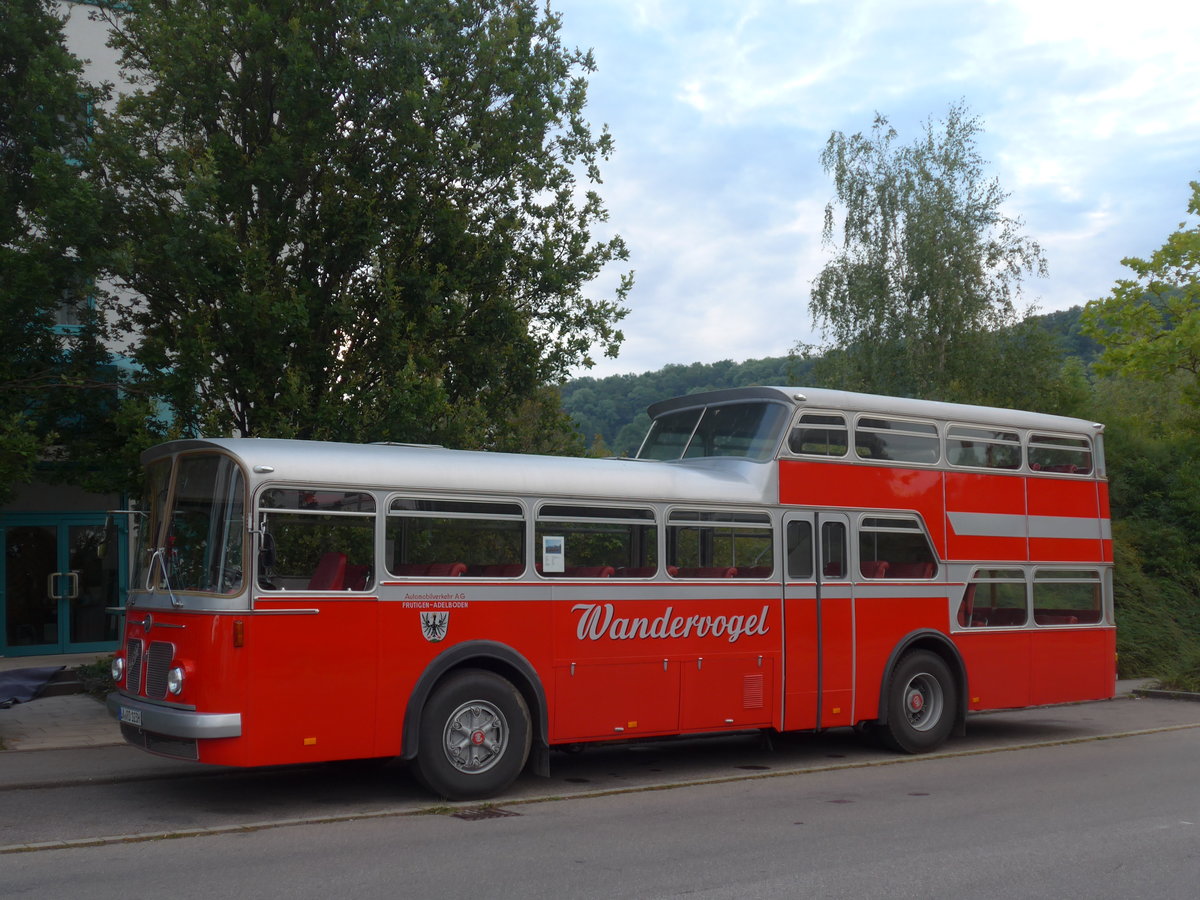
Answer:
x=1097 y=800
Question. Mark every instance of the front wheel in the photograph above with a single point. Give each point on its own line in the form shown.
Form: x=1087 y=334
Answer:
x=922 y=698
x=475 y=736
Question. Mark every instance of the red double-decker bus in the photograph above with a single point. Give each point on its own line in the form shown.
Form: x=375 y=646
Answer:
x=774 y=558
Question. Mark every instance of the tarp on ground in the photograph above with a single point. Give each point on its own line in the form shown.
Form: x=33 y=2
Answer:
x=23 y=685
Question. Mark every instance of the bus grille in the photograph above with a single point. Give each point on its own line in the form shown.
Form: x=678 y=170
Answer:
x=133 y=663
x=158 y=663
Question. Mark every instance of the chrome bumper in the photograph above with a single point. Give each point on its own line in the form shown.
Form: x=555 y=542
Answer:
x=180 y=723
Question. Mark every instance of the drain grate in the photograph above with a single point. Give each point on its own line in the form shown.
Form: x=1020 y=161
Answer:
x=483 y=812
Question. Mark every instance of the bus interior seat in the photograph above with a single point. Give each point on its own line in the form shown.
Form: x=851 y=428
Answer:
x=911 y=570
x=754 y=572
x=589 y=572
x=330 y=573
x=1006 y=615
x=357 y=578
x=705 y=572
x=496 y=570
x=636 y=572
x=432 y=570
x=873 y=568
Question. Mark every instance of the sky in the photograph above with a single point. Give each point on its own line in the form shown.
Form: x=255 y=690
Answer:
x=719 y=110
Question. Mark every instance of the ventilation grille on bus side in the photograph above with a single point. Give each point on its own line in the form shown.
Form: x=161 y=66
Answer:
x=752 y=692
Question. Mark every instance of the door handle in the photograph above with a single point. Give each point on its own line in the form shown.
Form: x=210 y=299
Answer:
x=73 y=585
x=51 y=583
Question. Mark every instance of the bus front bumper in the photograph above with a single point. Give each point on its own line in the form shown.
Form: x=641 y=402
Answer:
x=135 y=713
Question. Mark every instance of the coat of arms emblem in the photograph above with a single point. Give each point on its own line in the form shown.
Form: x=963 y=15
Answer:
x=434 y=625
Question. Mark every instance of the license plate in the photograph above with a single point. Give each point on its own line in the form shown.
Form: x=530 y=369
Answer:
x=131 y=716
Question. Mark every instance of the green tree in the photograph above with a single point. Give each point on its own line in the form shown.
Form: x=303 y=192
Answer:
x=53 y=366
x=357 y=219
x=927 y=268
x=1150 y=325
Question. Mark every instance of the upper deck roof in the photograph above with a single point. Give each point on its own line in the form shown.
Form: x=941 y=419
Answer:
x=850 y=401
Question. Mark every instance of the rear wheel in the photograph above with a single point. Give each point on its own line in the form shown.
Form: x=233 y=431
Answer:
x=922 y=698
x=475 y=736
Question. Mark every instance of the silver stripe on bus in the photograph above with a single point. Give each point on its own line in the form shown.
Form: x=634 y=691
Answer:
x=1014 y=526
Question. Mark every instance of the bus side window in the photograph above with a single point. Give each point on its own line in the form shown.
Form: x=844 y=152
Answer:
x=719 y=544
x=443 y=538
x=973 y=447
x=1058 y=453
x=818 y=434
x=894 y=547
x=316 y=540
x=596 y=542
x=995 y=598
x=799 y=551
x=1067 y=597
x=896 y=440
x=834 y=550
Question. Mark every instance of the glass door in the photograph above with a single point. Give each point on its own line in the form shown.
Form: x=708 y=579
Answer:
x=60 y=576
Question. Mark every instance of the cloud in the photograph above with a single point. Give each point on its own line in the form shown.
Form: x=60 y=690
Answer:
x=719 y=111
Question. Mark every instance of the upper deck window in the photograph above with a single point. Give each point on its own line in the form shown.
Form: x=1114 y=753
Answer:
x=982 y=448
x=896 y=440
x=1058 y=453
x=820 y=434
x=732 y=429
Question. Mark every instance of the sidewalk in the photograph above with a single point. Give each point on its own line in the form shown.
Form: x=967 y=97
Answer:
x=77 y=720
x=56 y=723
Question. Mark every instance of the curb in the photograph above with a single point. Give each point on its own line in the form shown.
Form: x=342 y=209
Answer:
x=1158 y=694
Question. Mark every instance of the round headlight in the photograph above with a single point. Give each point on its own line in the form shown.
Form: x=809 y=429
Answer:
x=118 y=669
x=175 y=680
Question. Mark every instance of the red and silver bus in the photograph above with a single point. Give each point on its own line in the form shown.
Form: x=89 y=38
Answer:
x=774 y=558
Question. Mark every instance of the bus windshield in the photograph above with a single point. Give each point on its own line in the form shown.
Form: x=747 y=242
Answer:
x=194 y=540
x=731 y=429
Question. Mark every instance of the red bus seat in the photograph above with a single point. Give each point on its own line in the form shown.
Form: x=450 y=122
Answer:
x=357 y=577
x=873 y=568
x=911 y=570
x=330 y=573
x=589 y=572
x=706 y=572
x=432 y=570
x=754 y=572
x=496 y=570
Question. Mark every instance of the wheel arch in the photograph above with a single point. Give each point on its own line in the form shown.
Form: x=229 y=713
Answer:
x=490 y=656
x=934 y=642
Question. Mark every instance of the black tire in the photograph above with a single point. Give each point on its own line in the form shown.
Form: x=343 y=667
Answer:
x=475 y=736
x=922 y=701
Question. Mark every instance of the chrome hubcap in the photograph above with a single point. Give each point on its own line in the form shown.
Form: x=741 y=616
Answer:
x=475 y=737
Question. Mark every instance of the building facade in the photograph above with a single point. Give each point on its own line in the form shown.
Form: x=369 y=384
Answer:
x=63 y=554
